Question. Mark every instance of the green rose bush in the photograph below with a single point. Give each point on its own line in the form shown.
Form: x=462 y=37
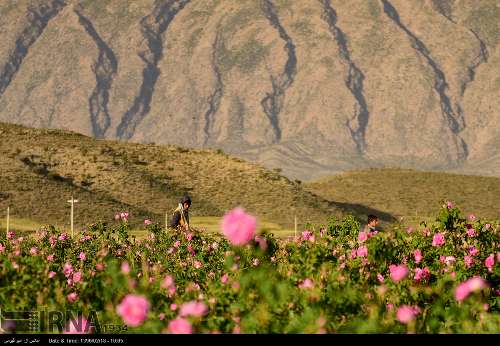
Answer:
x=435 y=278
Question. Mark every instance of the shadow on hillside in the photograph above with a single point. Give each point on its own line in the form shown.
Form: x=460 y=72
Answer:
x=361 y=211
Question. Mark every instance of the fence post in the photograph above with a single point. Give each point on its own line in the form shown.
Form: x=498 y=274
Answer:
x=295 y=226
x=8 y=218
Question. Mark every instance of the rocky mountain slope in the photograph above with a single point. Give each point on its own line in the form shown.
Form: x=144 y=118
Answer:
x=312 y=87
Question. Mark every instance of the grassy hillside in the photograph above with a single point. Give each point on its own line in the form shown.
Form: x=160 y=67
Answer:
x=41 y=169
x=411 y=194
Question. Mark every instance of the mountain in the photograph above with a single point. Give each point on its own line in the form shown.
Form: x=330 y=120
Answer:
x=311 y=87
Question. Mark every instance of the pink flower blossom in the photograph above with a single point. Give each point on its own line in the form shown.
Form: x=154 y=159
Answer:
x=473 y=251
x=449 y=260
x=449 y=205
x=197 y=264
x=262 y=242
x=117 y=216
x=148 y=222
x=180 y=326
x=426 y=232
x=422 y=274
x=472 y=285
x=11 y=234
x=99 y=266
x=173 y=306
x=398 y=272
x=52 y=240
x=189 y=236
x=224 y=279
x=67 y=269
x=2 y=248
x=418 y=256
x=406 y=314
x=409 y=230
x=489 y=262
x=171 y=291
x=34 y=251
x=380 y=278
x=438 y=240
x=472 y=217
x=308 y=235
x=487 y=226
x=307 y=283
x=82 y=256
x=52 y=274
x=133 y=310
x=193 y=308
x=362 y=237
x=390 y=306
x=72 y=297
x=471 y=232
x=50 y=258
x=362 y=251
x=167 y=282
x=125 y=267
x=255 y=262
x=238 y=226
x=468 y=261
x=79 y=326
x=63 y=237
x=77 y=277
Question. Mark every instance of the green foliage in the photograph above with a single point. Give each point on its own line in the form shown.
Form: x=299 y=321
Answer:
x=317 y=283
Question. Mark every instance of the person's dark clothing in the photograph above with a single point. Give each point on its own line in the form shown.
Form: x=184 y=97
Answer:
x=177 y=218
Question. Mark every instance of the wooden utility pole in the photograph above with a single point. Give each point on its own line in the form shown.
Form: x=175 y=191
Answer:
x=72 y=201
x=295 y=226
x=8 y=216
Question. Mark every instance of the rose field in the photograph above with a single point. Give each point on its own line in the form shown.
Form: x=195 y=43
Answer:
x=439 y=277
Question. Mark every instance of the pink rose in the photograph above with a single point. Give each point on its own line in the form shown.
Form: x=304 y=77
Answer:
x=133 y=310
x=471 y=232
x=362 y=237
x=422 y=274
x=72 y=297
x=473 y=251
x=180 y=326
x=238 y=226
x=307 y=283
x=398 y=272
x=67 y=269
x=193 y=308
x=449 y=205
x=438 y=240
x=468 y=261
x=489 y=262
x=472 y=285
x=77 y=277
x=362 y=251
x=406 y=314
x=125 y=267
x=50 y=258
x=52 y=274
x=418 y=256
x=79 y=326
x=82 y=256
